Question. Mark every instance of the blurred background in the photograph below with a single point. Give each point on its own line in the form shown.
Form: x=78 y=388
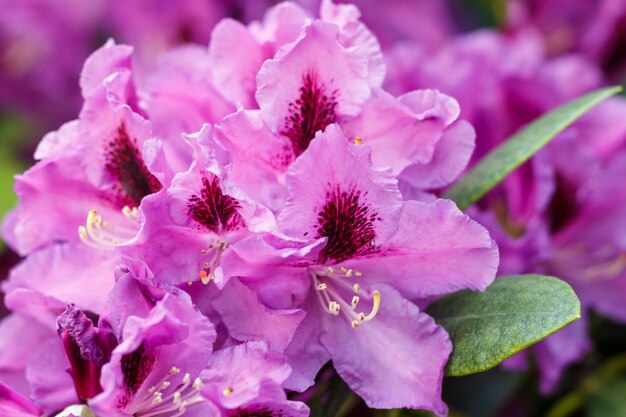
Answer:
x=43 y=44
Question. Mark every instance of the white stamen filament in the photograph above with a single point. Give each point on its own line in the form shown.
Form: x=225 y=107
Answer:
x=101 y=234
x=325 y=281
x=175 y=404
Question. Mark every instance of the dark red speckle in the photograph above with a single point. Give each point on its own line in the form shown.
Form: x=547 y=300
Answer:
x=260 y=412
x=348 y=223
x=124 y=162
x=136 y=367
x=214 y=210
x=314 y=109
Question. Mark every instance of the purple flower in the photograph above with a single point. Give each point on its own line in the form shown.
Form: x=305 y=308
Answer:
x=155 y=366
x=189 y=228
x=245 y=380
x=359 y=258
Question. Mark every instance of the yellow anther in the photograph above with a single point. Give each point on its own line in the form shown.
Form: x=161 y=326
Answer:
x=198 y=384
x=204 y=277
x=330 y=269
x=343 y=269
x=358 y=273
x=349 y=273
x=356 y=288
x=355 y=301
x=227 y=391
x=355 y=324
x=358 y=140
x=173 y=370
x=321 y=287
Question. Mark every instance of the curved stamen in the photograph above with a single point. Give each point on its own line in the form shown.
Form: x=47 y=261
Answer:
x=101 y=234
x=176 y=403
x=326 y=279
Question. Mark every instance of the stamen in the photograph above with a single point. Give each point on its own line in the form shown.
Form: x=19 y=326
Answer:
x=358 y=140
x=174 y=404
x=215 y=251
x=227 y=391
x=327 y=280
x=372 y=314
x=100 y=234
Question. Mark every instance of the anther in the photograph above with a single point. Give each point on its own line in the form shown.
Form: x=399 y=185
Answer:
x=358 y=140
x=355 y=324
x=356 y=288
x=227 y=391
x=321 y=287
x=349 y=273
x=355 y=301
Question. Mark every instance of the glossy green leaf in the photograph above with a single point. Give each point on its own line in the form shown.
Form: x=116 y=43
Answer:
x=500 y=162
x=512 y=314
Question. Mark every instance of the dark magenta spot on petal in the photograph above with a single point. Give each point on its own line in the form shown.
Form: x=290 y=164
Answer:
x=213 y=209
x=259 y=412
x=124 y=162
x=136 y=367
x=348 y=223
x=314 y=109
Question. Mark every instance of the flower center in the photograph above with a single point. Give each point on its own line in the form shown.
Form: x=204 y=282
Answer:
x=348 y=222
x=213 y=210
x=155 y=403
x=124 y=163
x=331 y=282
x=100 y=234
x=313 y=110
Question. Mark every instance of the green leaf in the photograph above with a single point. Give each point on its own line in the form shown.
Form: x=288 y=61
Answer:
x=513 y=313
x=608 y=399
x=500 y=162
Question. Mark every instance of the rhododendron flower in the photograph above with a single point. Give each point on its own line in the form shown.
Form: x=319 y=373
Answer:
x=360 y=257
x=188 y=228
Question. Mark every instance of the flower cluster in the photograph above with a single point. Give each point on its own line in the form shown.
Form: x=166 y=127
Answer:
x=208 y=234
